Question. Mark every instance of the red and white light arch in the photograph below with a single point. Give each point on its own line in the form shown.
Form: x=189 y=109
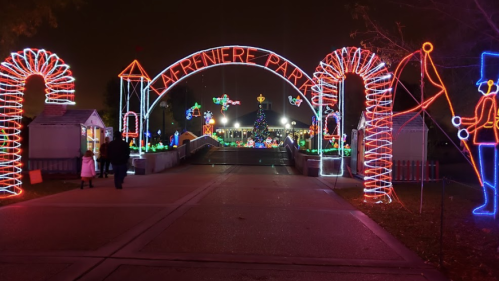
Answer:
x=378 y=138
x=232 y=55
x=14 y=71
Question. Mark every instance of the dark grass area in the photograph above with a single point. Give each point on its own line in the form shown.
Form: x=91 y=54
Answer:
x=470 y=243
x=47 y=187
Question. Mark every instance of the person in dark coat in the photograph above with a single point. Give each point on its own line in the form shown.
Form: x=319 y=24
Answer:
x=118 y=152
x=104 y=158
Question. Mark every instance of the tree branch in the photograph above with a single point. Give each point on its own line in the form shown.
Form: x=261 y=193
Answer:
x=487 y=17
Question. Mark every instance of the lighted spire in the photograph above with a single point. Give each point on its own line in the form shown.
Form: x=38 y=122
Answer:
x=134 y=72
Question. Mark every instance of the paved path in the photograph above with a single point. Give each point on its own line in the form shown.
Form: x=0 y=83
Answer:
x=243 y=156
x=202 y=223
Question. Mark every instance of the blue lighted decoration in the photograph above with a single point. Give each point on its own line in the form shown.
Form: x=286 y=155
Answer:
x=489 y=206
x=489 y=68
x=193 y=111
x=484 y=129
x=174 y=140
x=207 y=117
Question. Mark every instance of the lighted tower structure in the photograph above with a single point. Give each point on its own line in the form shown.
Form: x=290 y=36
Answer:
x=133 y=90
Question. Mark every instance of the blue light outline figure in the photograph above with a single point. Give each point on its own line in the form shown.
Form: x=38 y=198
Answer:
x=480 y=210
x=483 y=79
x=188 y=114
x=486 y=118
x=174 y=139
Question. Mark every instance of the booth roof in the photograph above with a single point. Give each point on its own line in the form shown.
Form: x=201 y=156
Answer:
x=70 y=117
x=405 y=121
x=402 y=121
x=273 y=120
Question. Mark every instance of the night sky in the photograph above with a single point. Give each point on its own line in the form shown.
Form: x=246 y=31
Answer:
x=101 y=38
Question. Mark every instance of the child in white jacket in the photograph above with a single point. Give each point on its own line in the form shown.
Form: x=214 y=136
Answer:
x=87 y=168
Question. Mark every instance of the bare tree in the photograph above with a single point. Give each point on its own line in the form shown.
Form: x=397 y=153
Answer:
x=461 y=28
x=24 y=17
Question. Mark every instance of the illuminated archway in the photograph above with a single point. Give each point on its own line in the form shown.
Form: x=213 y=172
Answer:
x=329 y=78
x=323 y=90
x=14 y=71
x=231 y=55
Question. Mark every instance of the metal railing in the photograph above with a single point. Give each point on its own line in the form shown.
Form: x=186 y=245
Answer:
x=202 y=141
x=55 y=165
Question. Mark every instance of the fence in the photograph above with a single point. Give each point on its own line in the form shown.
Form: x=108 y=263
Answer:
x=55 y=165
x=411 y=171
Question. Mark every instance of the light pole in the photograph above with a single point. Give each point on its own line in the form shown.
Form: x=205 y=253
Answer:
x=164 y=105
x=293 y=123
x=284 y=121
x=236 y=125
x=224 y=121
x=287 y=127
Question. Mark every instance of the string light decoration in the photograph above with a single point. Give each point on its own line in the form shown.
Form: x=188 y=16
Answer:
x=295 y=101
x=313 y=128
x=133 y=80
x=126 y=133
x=208 y=115
x=14 y=71
x=329 y=77
x=231 y=55
x=486 y=119
x=485 y=130
x=260 y=128
x=260 y=99
x=174 y=139
x=336 y=133
x=225 y=102
x=323 y=90
x=208 y=129
x=193 y=111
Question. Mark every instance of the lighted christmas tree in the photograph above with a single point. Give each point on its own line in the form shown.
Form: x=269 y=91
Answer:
x=260 y=128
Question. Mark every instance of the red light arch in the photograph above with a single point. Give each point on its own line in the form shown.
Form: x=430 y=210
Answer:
x=231 y=55
x=14 y=71
x=378 y=138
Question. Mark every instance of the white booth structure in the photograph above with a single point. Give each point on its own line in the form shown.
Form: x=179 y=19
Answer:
x=59 y=137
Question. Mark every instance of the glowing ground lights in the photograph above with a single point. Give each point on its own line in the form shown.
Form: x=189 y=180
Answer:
x=14 y=71
x=329 y=77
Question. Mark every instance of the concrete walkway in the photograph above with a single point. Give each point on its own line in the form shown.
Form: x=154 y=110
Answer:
x=202 y=223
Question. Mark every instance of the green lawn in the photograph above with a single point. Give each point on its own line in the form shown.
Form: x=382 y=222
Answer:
x=45 y=188
x=470 y=243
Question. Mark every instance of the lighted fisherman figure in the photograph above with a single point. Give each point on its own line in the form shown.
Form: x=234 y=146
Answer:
x=484 y=129
x=225 y=102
